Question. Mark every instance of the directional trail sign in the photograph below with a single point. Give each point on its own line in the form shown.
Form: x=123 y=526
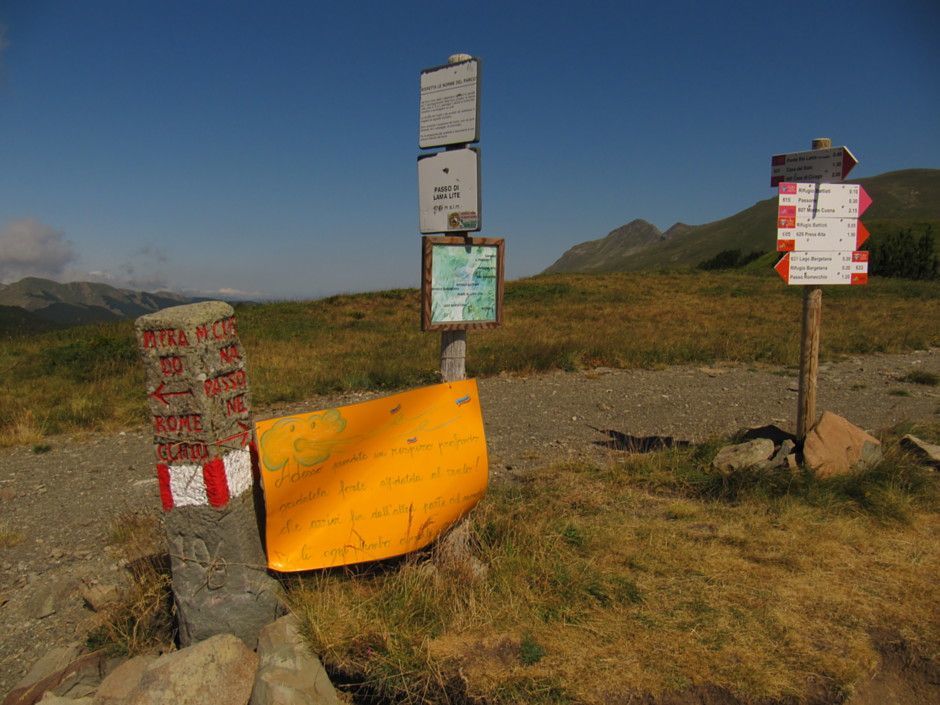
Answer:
x=816 y=165
x=818 y=233
x=818 y=268
x=824 y=200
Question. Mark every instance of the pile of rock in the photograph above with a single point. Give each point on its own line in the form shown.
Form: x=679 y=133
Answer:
x=833 y=447
x=220 y=670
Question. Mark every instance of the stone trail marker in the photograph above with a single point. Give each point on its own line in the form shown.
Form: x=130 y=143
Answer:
x=199 y=400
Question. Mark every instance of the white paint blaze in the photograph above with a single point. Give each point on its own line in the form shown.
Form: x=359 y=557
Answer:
x=237 y=471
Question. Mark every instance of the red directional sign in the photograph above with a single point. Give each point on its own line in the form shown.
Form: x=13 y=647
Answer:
x=161 y=395
x=846 y=234
x=814 y=166
x=817 y=268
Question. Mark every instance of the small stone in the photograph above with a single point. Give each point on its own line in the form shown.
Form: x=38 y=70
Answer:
x=926 y=451
x=743 y=455
x=99 y=596
x=288 y=673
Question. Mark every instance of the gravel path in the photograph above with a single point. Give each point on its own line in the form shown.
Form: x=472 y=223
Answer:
x=63 y=503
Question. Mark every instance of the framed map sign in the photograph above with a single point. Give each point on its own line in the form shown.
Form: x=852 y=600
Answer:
x=461 y=283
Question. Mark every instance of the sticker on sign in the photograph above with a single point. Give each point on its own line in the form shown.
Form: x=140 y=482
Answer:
x=816 y=165
x=818 y=268
x=812 y=201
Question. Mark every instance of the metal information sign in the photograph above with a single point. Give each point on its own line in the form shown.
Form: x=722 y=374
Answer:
x=449 y=191
x=811 y=201
x=818 y=268
x=450 y=104
x=816 y=165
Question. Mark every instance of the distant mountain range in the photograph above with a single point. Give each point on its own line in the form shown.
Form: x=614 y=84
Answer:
x=33 y=304
x=900 y=199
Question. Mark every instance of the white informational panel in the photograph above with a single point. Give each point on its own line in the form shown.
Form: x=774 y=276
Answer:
x=449 y=191
x=811 y=201
x=816 y=165
x=450 y=105
x=846 y=234
x=818 y=268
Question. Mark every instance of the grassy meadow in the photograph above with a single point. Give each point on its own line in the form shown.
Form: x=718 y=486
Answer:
x=589 y=584
x=90 y=378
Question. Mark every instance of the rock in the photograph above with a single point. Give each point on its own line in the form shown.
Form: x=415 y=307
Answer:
x=834 y=447
x=288 y=673
x=780 y=457
x=50 y=699
x=743 y=455
x=51 y=662
x=118 y=685
x=78 y=677
x=219 y=670
x=926 y=451
x=99 y=596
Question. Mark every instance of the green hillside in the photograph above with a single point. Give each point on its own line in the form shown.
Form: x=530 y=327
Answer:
x=901 y=199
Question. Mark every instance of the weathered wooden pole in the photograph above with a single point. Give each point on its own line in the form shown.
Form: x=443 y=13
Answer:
x=454 y=342
x=199 y=400
x=809 y=344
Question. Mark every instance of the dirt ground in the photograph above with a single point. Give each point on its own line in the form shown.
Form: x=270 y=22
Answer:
x=60 y=506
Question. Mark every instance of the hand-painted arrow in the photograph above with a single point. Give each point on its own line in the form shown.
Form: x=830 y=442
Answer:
x=243 y=434
x=160 y=395
x=812 y=201
x=817 y=268
x=816 y=165
x=825 y=234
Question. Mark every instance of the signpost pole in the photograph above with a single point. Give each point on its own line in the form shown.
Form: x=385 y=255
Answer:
x=454 y=342
x=809 y=344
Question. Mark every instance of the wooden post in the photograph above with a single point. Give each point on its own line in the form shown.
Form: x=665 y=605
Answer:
x=809 y=345
x=454 y=342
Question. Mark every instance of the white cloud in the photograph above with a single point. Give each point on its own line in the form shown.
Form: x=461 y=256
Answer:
x=31 y=248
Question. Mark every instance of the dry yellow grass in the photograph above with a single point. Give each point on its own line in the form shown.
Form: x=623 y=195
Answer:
x=607 y=582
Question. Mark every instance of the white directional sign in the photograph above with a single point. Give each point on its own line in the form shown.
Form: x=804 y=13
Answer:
x=816 y=165
x=821 y=234
x=818 y=268
x=450 y=104
x=449 y=191
x=812 y=201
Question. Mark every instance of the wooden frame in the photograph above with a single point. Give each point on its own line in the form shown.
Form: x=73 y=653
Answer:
x=428 y=246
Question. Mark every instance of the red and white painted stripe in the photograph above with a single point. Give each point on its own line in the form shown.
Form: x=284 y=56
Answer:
x=213 y=483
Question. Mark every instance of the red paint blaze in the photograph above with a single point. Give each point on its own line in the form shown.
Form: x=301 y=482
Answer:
x=859 y=278
x=163 y=479
x=786 y=245
x=783 y=268
x=862 y=234
x=213 y=473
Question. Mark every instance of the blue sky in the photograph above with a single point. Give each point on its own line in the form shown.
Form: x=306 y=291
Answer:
x=270 y=148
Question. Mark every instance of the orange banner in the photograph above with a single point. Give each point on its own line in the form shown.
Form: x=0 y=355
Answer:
x=371 y=480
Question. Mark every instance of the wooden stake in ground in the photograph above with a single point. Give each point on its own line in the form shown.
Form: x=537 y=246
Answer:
x=809 y=344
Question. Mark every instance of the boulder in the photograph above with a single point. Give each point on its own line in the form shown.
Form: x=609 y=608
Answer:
x=77 y=678
x=288 y=673
x=50 y=699
x=118 y=685
x=835 y=446
x=217 y=671
x=929 y=452
x=743 y=455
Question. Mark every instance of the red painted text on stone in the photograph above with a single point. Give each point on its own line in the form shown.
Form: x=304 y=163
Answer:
x=172 y=452
x=165 y=338
x=171 y=365
x=218 y=330
x=236 y=405
x=177 y=423
x=230 y=353
x=229 y=382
